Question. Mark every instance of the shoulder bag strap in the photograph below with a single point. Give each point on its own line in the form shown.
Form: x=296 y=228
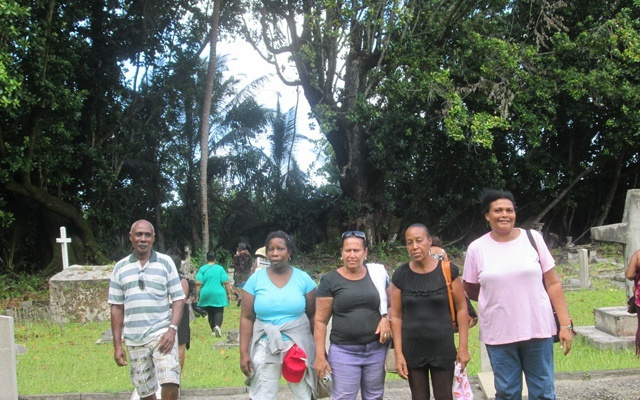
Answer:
x=533 y=243
x=446 y=270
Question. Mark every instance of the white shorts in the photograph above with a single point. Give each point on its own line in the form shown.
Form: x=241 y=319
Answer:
x=149 y=367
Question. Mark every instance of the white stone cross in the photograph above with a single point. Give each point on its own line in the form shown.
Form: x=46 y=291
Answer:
x=627 y=232
x=63 y=240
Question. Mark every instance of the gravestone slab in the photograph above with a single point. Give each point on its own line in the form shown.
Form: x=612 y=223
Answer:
x=613 y=324
x=232 y=340
x=626 y=232
x=8 y=376
x=107 y=337
x=79 y=294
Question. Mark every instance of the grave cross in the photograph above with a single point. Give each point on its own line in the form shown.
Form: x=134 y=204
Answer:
x=63 y=240
x=627 y=232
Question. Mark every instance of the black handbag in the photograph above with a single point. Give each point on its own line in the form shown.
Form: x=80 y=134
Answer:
x=631 y=305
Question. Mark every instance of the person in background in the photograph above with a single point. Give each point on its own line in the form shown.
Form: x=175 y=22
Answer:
x=437 y=250
x=516 y=286
x=633 y=274
x=261 y=260
x=276 y=325
x=184 y=330
x=421 y=320
x=146 y=307
x=213 y=292
x=356 y=295
x=242 y=266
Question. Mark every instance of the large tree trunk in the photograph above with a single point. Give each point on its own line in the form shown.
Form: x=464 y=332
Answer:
x=612 y=188
x=204 y=126
x=536 y=218
x=55 y=205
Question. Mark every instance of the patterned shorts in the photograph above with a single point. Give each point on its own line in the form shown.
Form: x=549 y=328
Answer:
x=149 y=367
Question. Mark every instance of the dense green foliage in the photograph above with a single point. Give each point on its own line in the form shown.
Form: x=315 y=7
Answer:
x=421 y=104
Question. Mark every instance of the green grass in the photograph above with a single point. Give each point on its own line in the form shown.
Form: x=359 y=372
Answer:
x=65 y=359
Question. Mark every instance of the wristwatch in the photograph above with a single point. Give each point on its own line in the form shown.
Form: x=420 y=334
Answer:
x=570 y=326
x=387 y=317
x=174 y=327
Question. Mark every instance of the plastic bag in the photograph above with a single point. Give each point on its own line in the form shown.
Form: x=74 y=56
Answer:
x=325 y=386
x=461 y=386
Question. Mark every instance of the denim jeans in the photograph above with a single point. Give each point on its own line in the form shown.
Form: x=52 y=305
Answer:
x=356 y=367
x=534 y=357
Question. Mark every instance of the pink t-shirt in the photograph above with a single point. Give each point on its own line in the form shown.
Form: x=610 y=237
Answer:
x=512 y=305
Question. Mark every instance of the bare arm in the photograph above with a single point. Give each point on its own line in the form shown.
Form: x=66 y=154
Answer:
x=630 y=273
x=198 y=287
x=311 y=307
x=556 y=295
x=384 y=326
x=462 y=316
x=117 y=324
x=227 y=287
x=324 y=307
x=472 y=289
x=396 y=328
x=169 y=337
x=247 y=319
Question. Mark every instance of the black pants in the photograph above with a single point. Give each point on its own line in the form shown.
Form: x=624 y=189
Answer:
x=214 y=314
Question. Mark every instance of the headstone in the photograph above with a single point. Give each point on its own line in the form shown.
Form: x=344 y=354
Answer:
x=230 y=272
x=583 y=262
x=64 y=240
x=610 y=330
x=626 y=232
x=107 y=337
x=8 y=377
x=232 y=340
x=79 y=294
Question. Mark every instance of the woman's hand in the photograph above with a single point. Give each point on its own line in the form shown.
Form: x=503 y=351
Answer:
x=401 y=366
x=566 y=336
x=384 y=329
x=245 y=364
x=463 y=357
x=322 y=367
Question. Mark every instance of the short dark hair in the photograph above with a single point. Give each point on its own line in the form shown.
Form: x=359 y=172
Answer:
x=287 y=240
x=436 y=241
x=242 y=246
x=491 y=195
x=211 y=256
x=418 y=225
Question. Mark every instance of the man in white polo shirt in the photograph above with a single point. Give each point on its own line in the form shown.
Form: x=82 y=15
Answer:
x=146 y=300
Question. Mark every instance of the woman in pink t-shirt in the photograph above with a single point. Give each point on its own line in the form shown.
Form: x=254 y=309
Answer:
x=504 y=271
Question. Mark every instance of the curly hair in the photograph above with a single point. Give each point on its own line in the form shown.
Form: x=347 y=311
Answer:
x=284 y=236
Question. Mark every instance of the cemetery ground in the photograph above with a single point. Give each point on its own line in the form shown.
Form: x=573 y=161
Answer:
x=66 y=359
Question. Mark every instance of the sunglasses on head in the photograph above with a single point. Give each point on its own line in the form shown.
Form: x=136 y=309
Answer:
x=358 y=234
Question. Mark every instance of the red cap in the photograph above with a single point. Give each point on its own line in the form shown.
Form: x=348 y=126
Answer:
x=294 y=364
